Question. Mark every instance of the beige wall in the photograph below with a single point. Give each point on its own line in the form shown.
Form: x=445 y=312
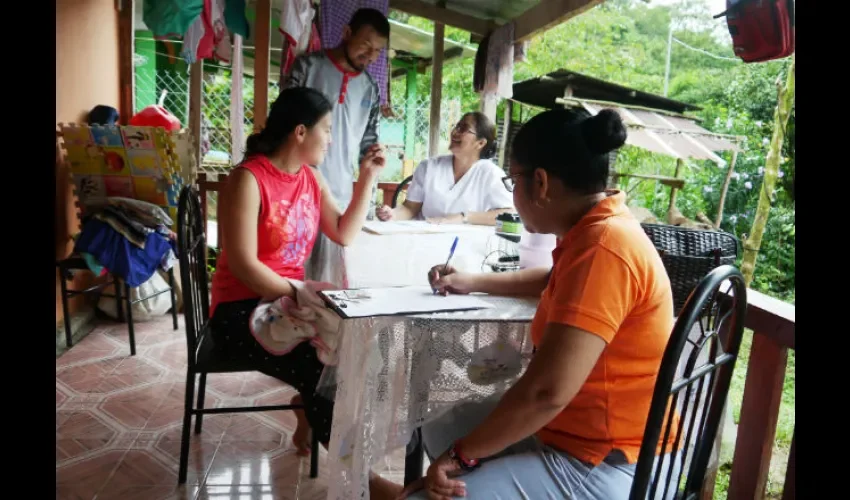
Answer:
x=87 y=74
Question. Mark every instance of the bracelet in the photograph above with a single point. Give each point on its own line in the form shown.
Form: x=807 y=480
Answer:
x=467 y=464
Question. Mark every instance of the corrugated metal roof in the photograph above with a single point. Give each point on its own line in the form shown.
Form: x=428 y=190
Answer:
x=544 y=91
x=661 y=133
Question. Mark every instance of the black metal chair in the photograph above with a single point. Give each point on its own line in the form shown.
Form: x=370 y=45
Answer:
x=203 y=358
x=690 y=254
x=400 y=189
x=710 y=326
x=123 y=301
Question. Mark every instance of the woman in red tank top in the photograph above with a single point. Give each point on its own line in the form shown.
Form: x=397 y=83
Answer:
x=269 y=214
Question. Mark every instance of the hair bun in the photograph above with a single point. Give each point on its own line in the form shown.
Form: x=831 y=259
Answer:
x=604 y=132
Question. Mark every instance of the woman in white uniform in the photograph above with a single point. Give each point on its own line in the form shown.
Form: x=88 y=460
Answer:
x=464 y=187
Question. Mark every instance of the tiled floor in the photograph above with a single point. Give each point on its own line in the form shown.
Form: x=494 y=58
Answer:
x=118 y=423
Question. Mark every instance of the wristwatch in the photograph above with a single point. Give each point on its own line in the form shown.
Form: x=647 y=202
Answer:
x=467 y=464
x=464 y=218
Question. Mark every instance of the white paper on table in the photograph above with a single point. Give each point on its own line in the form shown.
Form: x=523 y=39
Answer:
x=415 y=227
x=398 y=301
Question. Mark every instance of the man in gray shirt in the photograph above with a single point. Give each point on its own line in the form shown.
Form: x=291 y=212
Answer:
x=340 y=74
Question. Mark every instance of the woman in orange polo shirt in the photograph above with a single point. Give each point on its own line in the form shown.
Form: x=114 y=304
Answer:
x=572 y=425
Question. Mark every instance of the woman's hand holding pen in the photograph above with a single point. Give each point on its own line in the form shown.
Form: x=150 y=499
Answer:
x=446 y=279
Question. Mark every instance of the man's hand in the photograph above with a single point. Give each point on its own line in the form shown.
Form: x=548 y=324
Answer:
x=373 y=162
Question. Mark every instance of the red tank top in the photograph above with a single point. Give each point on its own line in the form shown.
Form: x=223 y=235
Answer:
x=286 y=231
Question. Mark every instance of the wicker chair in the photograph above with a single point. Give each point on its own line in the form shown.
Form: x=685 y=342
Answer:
x=690 y=254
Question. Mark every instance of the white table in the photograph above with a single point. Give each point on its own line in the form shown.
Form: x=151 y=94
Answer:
x=396 y=373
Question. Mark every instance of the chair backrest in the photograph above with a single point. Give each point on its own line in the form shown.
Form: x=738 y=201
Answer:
x=192 y=244
x=693 y=380
x=400 y=189
x=690 y=254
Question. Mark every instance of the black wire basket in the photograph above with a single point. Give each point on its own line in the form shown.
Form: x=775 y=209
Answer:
x=690 y=254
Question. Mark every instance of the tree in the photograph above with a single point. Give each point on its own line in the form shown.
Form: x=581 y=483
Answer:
x=784 y=103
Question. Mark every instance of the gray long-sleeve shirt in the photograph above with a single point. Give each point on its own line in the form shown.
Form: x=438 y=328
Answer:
x=356 y=116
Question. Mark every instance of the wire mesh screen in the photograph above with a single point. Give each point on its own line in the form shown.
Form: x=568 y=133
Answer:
x=405 y=126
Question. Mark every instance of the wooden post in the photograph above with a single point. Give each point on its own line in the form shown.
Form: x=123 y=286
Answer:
x=504 y=136
x=127 y=78
x=436 y=90
x=759 y=413
x=725 y=189
x=196 y=99
x=410 y=115
x=790 y=473
x=679 y=163
x=262 y=43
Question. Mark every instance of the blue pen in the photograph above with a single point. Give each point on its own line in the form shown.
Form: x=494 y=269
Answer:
x=451 y=254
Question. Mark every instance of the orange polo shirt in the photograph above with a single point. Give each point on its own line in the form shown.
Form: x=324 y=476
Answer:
x=608 y=280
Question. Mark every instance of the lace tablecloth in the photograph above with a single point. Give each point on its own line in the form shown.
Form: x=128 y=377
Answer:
x=396 y=373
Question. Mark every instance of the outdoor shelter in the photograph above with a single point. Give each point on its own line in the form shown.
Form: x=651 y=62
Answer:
x=655 y=123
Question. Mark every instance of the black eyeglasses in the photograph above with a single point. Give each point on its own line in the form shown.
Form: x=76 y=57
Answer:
x=463 y=128
x=509 y=182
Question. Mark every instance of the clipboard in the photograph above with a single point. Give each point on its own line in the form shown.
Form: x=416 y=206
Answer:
x=397 y=301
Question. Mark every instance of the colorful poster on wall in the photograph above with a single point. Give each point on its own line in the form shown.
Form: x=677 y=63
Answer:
x=119 y=185
x=139 y=137
x=148 y=189
x=90 y=189
x=145 y=163
x=117 y=162
x=107 y=137
x=129 y=162
x=76 y=136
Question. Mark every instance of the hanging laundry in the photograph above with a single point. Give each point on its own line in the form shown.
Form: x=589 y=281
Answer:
x=191 y=41
x=234 y=17
x=315 y=38
x=206 y=45
x=335 y=15
x=296 y=26
x=167 y=18
x=221 y=37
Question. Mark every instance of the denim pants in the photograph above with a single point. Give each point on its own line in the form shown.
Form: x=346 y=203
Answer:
x=528 y=469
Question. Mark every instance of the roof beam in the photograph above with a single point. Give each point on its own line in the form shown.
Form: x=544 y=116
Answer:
x=422 y=65
x=443 y=15
x=548 y=14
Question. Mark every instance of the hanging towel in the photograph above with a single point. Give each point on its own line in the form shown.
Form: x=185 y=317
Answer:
x=167 y=18
x=296 y=26
x=191 y=40
x=234 y=17
x=221 y=37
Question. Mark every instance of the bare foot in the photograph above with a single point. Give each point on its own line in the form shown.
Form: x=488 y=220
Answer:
x=301 y=438
x=383 y=489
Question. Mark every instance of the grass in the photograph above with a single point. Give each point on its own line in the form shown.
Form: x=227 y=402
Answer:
x=784 y=427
